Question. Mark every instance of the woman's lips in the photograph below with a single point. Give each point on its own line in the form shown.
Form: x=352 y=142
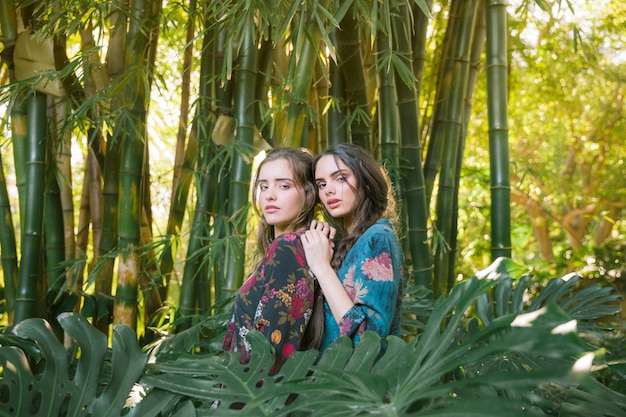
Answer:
x=333 y=203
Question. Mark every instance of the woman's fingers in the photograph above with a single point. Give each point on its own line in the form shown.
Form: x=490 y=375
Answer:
x=323 y=227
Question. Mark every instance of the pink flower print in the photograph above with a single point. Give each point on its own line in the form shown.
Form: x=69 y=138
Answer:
x=248 y=284
x=290 y=237
x=379 y=268
x=348 y=281
x=302 y=288
x=345 y=326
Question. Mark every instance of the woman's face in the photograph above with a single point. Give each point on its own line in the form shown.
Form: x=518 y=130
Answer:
x=336 y=184
x=280 y=200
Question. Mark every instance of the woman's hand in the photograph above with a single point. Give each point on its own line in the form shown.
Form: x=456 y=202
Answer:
x=325 y=228
x=318 y=246
x=318 y=249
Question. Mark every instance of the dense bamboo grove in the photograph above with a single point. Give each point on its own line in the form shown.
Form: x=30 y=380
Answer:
x=249 y=76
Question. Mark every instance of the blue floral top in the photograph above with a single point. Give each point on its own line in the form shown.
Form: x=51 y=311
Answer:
x=277 y=300
x=372 y=274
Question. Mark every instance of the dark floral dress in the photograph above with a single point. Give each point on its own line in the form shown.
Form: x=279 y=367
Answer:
x=372 y=273
x=277 y=300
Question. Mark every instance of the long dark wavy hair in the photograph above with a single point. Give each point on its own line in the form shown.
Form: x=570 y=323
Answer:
x=374 y=196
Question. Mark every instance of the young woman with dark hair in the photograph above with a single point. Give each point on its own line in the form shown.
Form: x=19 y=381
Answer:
x=362 y=277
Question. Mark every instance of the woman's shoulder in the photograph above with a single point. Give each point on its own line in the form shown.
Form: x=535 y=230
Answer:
x=287 y=247
x=288 y=239
x=380 y=233
x=382 y=226
x=290 y=236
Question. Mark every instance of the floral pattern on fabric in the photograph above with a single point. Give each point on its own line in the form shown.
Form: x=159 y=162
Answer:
x=372 y=274
x=277 y=300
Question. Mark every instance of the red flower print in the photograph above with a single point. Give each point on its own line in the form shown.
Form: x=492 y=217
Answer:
x=300 y=259
x=271 y=250
x=295 y=312
x=248 y=284
x=288 y=349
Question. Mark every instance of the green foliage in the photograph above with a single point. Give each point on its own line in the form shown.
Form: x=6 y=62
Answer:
x=513 y=359
x=482 y=350
x=40 y=378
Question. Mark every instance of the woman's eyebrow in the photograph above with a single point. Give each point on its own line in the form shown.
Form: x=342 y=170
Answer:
x=333 y=174
x=275 y=179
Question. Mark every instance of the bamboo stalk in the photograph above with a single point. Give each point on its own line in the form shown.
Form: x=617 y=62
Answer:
x=245 y=81
x=28 y=301
x=8 y=248
x=412 y=174
x=497 y=108
x=349 y=44
x=452 y=134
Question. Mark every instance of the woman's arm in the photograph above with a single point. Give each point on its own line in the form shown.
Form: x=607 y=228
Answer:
x=319 y=252
x=287 y=300
x=371 y=286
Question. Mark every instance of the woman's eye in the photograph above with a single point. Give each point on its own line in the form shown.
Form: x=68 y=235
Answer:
x=341 y=178
x=320 y=185
x=262 y=187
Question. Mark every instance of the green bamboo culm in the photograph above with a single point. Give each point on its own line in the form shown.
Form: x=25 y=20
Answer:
x=54 y=237
x=388 y=115
x=198 y=236
x=8 y=23
x=478 y=41
x=411 y=171
x=336 y=121
x=28 y=298
x=108 y=237
x=19 y=129
x=350 y=56
x=452 y=134
x=497 y=107
x=307 y=47
x=133 y=149
x=183 y=168
x=8 y=249
x=245 y=82
x=111 y=171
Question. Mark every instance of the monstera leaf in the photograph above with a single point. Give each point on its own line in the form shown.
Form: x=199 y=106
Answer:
x=40 y=378
x=517 y=361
